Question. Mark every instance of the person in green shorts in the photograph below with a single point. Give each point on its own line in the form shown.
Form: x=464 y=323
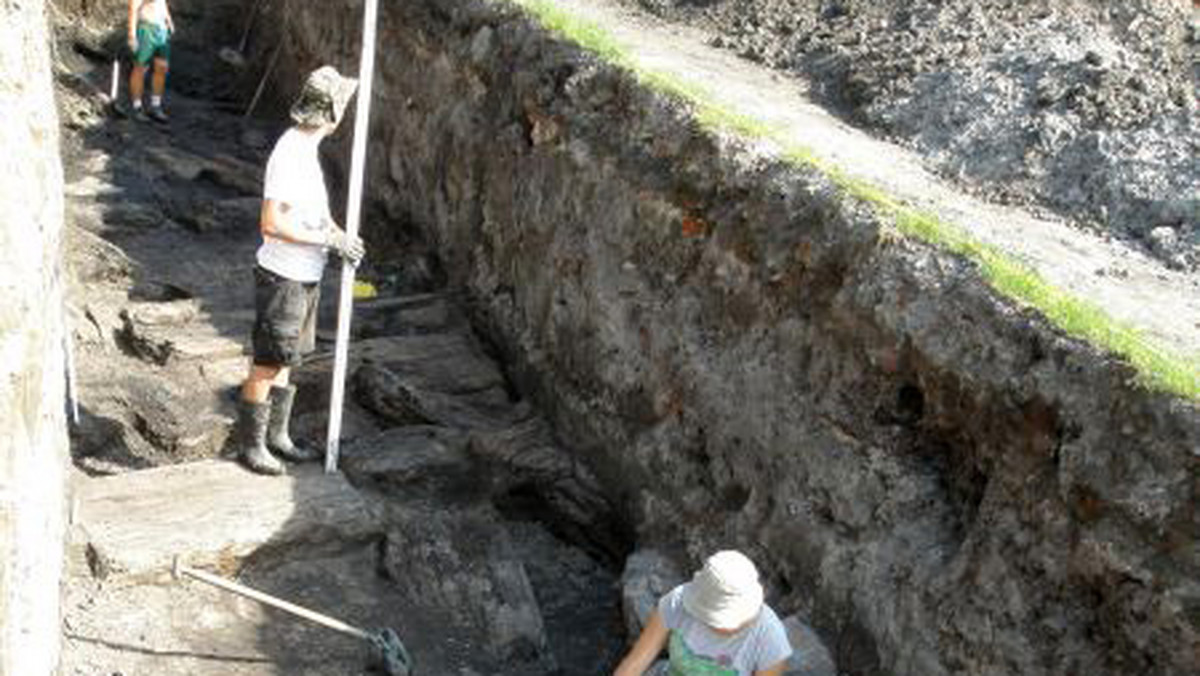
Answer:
x=150 y=31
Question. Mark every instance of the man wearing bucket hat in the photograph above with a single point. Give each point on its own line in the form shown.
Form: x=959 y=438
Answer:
x=715 y=625
x=298 y=232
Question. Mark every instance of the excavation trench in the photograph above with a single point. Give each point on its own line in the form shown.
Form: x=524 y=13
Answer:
x=460 y=522
x=605 y=343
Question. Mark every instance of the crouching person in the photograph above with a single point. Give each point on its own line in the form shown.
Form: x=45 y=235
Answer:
x=717 y=624
x=298 y=232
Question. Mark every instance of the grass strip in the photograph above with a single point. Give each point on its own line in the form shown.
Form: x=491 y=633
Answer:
x=587 y=34
x=1158 y=368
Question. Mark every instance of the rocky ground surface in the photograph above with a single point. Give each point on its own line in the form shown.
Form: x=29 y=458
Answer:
x=1086 y=109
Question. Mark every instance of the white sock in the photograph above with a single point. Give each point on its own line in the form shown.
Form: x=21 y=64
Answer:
x=137 y=104
x=156 y=101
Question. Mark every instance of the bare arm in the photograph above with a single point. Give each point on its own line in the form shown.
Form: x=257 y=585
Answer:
x=276 y=221
x=646 y=649
x=133 y=20
x=776 y=670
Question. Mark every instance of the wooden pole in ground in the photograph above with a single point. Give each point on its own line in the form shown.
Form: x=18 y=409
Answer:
x=362 y=118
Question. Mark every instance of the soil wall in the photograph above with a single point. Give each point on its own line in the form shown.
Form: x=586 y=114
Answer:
x=33 y=441
x=943 y=483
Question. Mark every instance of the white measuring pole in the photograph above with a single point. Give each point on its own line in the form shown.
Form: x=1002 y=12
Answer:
x=362 y=118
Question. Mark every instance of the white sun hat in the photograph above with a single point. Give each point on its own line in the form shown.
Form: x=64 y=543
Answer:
x=725 y=593
x=323 y=98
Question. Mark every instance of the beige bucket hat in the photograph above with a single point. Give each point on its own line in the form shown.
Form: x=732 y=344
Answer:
x=324 y=98
x=725 y=593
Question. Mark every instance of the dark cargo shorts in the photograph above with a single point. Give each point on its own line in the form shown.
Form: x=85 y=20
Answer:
x=285 y=321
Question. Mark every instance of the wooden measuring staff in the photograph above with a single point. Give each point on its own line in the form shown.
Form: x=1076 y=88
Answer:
x=362 y=117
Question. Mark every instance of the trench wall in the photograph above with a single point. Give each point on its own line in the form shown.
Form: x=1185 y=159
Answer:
x=33 y=439
x=939 y=480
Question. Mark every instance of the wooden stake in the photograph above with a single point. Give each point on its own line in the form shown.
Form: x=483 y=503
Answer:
x=362 y=118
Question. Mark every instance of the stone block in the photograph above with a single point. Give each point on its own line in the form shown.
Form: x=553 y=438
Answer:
x=416 y=462
x=159 y=339
x=459 y=564
x=212 y=514
x=811 y=657
x=649 y=574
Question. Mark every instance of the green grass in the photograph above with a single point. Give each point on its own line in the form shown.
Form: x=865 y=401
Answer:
x=601 y=42
x=1158 y=367
x=585 y=33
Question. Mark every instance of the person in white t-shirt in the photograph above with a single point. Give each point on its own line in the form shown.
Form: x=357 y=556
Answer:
x=715 y=625
x=297 y=231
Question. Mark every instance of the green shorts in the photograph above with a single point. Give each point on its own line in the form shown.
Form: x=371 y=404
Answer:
x=154 y=41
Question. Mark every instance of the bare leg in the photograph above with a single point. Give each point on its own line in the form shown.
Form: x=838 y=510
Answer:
x=158 y=83
x=137 y=84
x=257 y=387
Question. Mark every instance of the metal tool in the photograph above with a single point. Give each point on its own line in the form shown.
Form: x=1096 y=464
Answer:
x=390 y=652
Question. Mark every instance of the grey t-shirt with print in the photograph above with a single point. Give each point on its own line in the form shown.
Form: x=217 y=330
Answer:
x=697 y=650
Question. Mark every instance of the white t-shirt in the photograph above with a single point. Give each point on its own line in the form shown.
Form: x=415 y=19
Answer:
x=153 y=11
x=294 y=178
x=697 y=650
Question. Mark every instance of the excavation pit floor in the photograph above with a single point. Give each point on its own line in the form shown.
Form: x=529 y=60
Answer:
x=160 y=241
x=187 y=627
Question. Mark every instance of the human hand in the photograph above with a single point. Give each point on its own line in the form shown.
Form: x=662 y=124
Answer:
x=132 y=41
x=349 y=247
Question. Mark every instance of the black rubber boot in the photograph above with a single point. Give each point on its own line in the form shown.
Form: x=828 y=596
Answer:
x=252 y=438
x=278 y=439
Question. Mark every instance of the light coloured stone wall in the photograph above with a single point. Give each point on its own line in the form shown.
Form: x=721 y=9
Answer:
x=33 y=439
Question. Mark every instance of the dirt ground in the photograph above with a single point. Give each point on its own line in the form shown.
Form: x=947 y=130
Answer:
x=160 y=238
x=1084 y=108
